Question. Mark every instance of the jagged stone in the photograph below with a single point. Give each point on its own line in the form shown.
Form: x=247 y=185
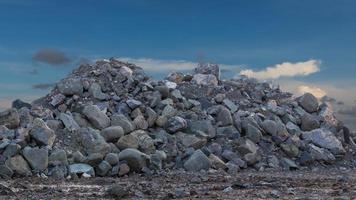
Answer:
x=96 y=117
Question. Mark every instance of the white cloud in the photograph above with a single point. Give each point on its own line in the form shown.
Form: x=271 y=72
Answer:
x=317 y=92
x=285 y=69
x=156 y=65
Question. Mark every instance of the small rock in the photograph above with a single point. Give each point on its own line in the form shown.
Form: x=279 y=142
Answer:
x=58 y=157
x=69 y=121
x=95 y=91
x=123 y=122
x=124 y=169
x=133 y=104
x=309 y=122
x=112 y=159
x=175 y=124
x=103 y=168
x=231 y=105
x=127 y=141
x=117 y=191
x=57 y=99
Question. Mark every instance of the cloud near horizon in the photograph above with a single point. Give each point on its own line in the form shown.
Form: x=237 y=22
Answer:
x=157 y=65
x=285 y=69
x=52 y=57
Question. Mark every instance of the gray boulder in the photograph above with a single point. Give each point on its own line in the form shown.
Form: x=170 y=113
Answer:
x=58 y=157
x=92 y=141
x=224 y=117
x=36 y=157
x=123 y=122
x=112 y=133
x=270 y=127
x=69 y=121
x=309 y=122
x=96 y=117
x=134 y=158
x=127 y=141
x=198 y=161
x=309 y=102
x=325 y=139
x=95 y=91
x=19 y=165
x=70 y=86
x=42 y=133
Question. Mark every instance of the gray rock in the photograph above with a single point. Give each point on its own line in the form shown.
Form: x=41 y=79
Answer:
x=169 y=111
x=78 y=157
x=309 y=102
x=18 y=104
x=42 y=133
x=231 y=105
x=103 y=168
x=224 y=117
x=175 y=124
x=69 y=121
x=10 y=118
x=95 y=91
x=325 y=139
x=289 y=164
x=151 y=116
x=81 y=168
x=19 y=165
x=245 y=146
x=216 y=162
x=127 y=141
x=198 y=161
x=117 y=191
x=58 y=157
x=71 y=86
x=204 y=126
x=205 y=79
x=134 y=158
x=92 y=141
x=133 y=104
x=191 y=140
x=233 y=157
x=140 y=122
x=293 y=129
x=321 y=154
x=253 y=133
x=112 y=158
x=145 y=142
x=11 y=150
x=5 y=171
x=96 y=117
x=123 y=122
x=208 y=68
x=269 y=127
x=94 y=159
x=57 y=99
x=112 y=133
x=309 y=122
x=36 y=157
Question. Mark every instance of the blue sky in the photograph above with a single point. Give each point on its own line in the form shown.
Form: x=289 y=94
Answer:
x=250 y=34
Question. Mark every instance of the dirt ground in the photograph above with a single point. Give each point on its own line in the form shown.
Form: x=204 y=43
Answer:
x=323 y=184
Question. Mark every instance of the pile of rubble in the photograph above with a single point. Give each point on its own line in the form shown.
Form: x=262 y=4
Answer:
x=110 y=119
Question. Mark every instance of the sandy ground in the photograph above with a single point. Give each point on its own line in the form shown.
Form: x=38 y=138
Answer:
x=324 y=184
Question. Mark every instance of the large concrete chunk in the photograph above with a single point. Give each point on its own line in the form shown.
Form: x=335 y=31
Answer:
x=70 y=86
x=198 y=161
x=96 y=117
x=309 y=102
x=37 y=158
x=41 y=133
x=135 y=159
x=325 y=139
